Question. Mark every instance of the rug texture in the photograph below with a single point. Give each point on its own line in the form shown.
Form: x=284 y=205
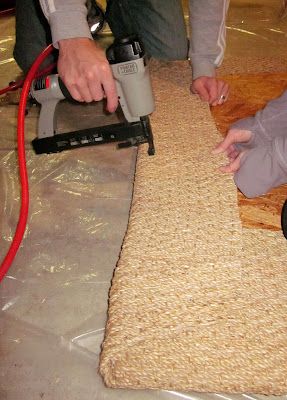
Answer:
x=197 y=303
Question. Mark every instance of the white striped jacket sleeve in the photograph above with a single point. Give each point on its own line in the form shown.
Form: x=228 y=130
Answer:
x=208 y=35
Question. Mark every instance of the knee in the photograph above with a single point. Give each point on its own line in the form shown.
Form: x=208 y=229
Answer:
x=166 y=51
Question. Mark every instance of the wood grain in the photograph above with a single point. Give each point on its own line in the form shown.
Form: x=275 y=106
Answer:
x=249 y=93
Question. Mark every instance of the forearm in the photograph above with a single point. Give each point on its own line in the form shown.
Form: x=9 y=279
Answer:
x=67 y=19
x=207 y=24
x=266 y=124
x=272 y=119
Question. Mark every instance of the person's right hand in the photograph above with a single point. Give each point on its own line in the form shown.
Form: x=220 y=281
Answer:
x=228 y=146
x=85 y=70
x=210 y=89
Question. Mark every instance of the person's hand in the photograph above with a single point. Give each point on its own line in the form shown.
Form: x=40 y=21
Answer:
x=228 y=146
x=84 y=69
x=210 y=89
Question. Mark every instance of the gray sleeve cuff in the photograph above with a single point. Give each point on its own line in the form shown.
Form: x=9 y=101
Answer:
x=68 y=25
x=202 y=68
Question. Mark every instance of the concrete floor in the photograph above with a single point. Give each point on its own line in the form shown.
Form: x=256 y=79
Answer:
x=54 y=298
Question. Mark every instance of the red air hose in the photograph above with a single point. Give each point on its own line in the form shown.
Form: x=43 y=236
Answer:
x=21 y=226
x=17 y=85
x=8 y=11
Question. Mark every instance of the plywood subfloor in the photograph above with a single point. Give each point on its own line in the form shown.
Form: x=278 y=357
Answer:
x=249 y=93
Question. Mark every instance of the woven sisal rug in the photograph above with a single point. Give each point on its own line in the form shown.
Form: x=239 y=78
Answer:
x=197 y=303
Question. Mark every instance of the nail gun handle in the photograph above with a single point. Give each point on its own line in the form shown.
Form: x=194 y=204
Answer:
x=48 y=88
x=47 y=92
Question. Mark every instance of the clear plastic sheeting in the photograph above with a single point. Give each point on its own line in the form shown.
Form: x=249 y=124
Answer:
x=54 y=299
x=256 y=28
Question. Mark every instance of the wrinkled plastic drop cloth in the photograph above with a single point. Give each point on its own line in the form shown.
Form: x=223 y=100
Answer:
x=54 y=298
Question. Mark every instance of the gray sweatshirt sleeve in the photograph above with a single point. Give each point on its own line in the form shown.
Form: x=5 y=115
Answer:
x=67 y=19
x=207 y=23
x=263 y=168
x=266 y=124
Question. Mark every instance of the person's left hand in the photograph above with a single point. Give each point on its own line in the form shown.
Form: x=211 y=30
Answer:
x=228 y=146
x=210 y=89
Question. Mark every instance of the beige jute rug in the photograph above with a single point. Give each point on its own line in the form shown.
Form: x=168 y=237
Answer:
x=197 y=303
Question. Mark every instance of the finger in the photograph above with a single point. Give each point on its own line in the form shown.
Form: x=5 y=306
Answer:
x=74 y=92
x=230 y=149
x=83 y=89
x=224 y=92
x=219 y=95
x=223 y=146
x=233 y=154
x=96 y=90
x=72 y=88
x=201 y=90
x=218 y=149
x=214 y=91
x=222 y=95
x=232 y=166
x=86 y=94
x=228 y=141
x=193 y=90
x=111 y=94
